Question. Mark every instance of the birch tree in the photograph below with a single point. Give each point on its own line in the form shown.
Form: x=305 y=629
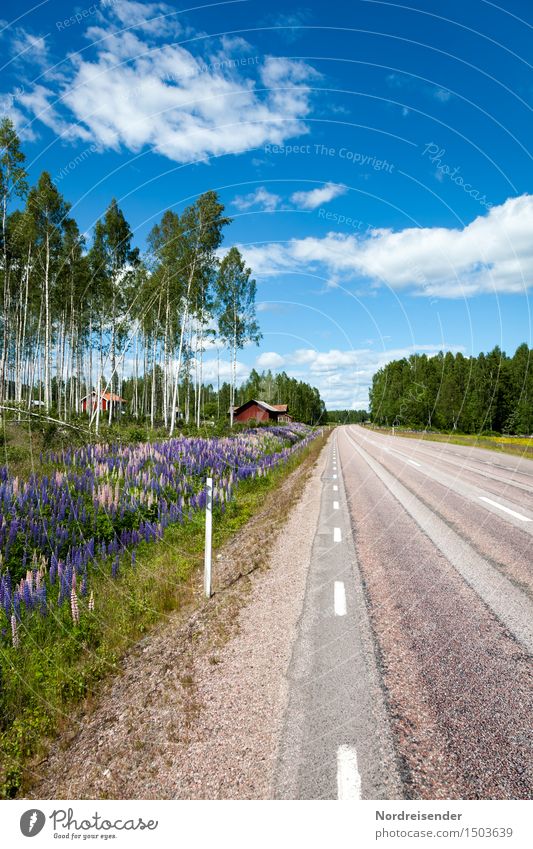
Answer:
x=49 y=212
x=235 y=299
x=12 y=185
x=202 y=225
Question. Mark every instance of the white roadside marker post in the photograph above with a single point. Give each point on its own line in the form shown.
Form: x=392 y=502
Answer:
x=208 y=536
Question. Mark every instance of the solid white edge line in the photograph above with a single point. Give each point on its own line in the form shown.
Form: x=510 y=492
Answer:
x=339 y=598
x=505 y=509
x=335 y=505
x=337 y=536
x=348 y=777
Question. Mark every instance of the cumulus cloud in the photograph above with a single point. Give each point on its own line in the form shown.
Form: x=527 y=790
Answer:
x=317 y=197
x=494 y=253
x=270 y=360
x=211 y=369
x=134 y=89
x=261 y=198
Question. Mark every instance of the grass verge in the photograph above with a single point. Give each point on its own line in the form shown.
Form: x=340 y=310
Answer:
x=58 y=665
x=517 y=445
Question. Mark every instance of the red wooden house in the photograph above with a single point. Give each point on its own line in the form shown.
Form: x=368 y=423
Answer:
x=260 y=411
x=88 y=403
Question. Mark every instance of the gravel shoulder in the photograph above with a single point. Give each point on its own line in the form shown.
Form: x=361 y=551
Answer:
x=198 y=708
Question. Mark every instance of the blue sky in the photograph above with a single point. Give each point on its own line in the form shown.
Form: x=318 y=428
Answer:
x=374 y=156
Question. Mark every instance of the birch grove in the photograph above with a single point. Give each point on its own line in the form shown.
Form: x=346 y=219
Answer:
x=82 y=318
x=88 y=317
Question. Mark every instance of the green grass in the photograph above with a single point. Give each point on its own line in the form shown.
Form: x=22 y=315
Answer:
x=518 y=445
x=57 y=664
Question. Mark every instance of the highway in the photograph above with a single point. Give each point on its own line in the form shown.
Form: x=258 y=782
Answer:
x=411 y=672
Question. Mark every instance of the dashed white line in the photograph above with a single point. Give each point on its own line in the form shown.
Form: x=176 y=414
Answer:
x=339 y=598
x=348 y=777
x=335 y=505
x=335 y=488
x=337 y=536
x=505 y=509
x=399 y=454
x=334 y=477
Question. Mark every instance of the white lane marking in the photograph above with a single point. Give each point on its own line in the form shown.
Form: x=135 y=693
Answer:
x=334 y=477
x=505 y=509
x=348 y=777
x=335 y=488
x=399 y=453
x=339 y=598
x=335 y=505
x=337 y=536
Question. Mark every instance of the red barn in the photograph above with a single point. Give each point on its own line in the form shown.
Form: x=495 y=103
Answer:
x=88 y=403
x=260 y=411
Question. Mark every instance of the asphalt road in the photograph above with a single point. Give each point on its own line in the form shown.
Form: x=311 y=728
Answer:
x=411 y=674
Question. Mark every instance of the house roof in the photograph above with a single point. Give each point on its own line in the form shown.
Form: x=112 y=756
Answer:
x=107 y=396
x=272 y=408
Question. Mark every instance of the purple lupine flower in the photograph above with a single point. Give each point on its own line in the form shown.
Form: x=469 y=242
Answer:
x=26 y=595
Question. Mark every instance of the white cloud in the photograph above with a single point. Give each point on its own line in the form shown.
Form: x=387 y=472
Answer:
x=153 y=18
x=132 y=89
x=317 y=197
x=494 y=253
x=31 y=48
x=261 y=197
x=211 y=369
x=269 y=359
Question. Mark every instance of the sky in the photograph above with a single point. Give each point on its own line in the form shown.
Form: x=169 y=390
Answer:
x=374 y=157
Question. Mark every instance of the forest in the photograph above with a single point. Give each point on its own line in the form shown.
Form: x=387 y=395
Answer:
x=78 y=318
x=490 y=392
x=347 y=416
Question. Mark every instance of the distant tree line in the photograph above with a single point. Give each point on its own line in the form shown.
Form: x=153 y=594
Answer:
x=490 y=392
x=347 y=416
